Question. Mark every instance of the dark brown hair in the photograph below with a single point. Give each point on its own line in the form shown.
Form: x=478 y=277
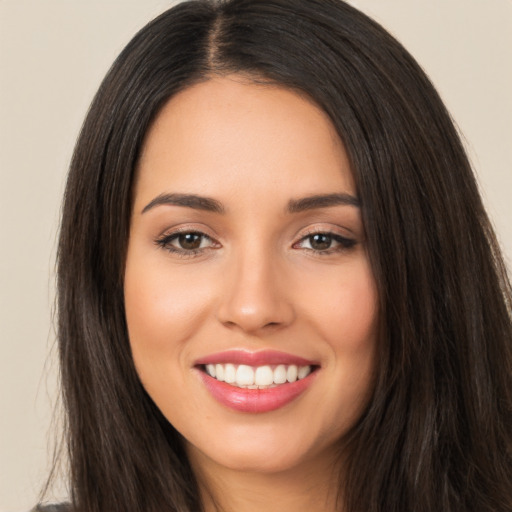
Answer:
x=437 y=433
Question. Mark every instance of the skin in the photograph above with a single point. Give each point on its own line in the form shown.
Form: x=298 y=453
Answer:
x=258 y=281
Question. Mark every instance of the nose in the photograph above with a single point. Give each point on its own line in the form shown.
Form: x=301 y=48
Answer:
x=254 y=295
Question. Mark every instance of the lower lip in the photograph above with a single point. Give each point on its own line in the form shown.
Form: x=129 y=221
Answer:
x=256 y=400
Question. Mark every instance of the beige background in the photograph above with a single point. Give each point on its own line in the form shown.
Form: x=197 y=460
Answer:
x=53 y=55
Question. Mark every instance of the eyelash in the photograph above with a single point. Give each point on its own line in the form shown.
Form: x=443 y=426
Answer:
x=345 y=244
x=165 y=242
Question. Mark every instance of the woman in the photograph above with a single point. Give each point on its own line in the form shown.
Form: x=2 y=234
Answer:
x=278 y=287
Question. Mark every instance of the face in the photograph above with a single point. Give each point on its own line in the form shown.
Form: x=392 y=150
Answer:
x=250 y=302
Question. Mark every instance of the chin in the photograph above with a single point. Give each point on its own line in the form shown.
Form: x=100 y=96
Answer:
x=269 y=450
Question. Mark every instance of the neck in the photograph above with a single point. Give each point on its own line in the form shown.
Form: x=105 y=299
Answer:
x=312 y=487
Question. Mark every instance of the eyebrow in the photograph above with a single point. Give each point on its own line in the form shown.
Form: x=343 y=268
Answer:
x=188 y=200
x=212 y=205
x=322 y=201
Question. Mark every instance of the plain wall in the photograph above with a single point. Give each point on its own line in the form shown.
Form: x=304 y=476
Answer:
x=53 y=55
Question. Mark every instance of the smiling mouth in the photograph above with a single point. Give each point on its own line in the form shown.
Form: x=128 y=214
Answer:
x=256 y=382
x=257 y=377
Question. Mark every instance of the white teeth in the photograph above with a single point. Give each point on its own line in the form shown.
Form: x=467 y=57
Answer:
x=291 y=373
x=263 y=376
x=304 y=371
x=244 y=375
x=219 y=372
x=280 y=374
x=260 y=377
x=230 y=373
x=210 y=368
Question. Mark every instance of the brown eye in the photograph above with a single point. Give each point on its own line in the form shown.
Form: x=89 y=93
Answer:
x=186 y=243
x=325 y=243
x=189 y=241
x=320 y=241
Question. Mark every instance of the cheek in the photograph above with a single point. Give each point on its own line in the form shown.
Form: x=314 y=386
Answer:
x=163 y=311
x=353 y=336
x=346 y=314
x=346 y=309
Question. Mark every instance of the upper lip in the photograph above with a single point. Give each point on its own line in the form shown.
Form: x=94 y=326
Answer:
x=259 y=358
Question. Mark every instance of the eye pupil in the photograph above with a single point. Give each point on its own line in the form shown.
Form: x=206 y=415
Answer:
x=320 y=241
x=190 y=241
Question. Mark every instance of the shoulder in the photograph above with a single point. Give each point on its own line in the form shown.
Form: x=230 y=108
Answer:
x=60 y=507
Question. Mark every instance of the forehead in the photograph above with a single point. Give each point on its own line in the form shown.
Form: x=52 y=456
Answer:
x=228 y=133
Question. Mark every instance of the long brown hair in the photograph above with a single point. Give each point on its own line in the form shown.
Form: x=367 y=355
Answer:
x=437 y=434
